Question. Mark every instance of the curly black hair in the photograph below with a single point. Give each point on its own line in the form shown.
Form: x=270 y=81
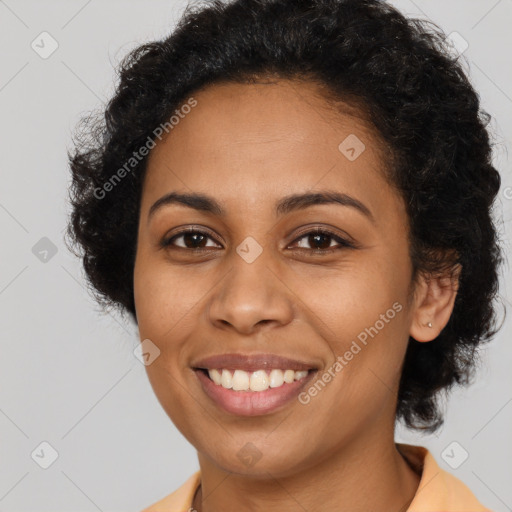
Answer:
x=399 y=72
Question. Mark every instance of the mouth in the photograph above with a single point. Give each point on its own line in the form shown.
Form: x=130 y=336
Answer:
x=256 y=381
x=252 y=385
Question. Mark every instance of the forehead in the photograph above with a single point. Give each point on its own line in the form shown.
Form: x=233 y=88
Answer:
x=249 y=142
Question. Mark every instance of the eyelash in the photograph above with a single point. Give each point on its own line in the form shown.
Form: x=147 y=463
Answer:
x=344 y=244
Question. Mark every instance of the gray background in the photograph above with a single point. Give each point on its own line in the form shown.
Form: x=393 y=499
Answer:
x=68 y=375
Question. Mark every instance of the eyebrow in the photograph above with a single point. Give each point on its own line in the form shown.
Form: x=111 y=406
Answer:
x=287 y=204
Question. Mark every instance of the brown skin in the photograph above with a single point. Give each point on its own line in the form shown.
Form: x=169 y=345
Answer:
x=248 y=146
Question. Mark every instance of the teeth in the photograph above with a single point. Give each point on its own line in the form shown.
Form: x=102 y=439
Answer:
x=215 y=376
x=276 y=378
x=259 y=380
x=226 y=379
x=240 y=380
x=289 y=376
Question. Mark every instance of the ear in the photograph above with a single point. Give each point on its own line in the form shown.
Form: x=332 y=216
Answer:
x=433 y=302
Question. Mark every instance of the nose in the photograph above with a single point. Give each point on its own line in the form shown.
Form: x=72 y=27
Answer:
x=250 y=296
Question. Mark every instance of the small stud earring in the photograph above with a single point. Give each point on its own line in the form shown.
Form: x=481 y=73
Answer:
x=429 y=324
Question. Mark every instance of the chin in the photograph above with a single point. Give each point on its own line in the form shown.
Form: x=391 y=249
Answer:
x=247 y=458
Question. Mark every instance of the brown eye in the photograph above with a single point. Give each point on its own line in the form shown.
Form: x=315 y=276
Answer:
x=190 y=238
x=320 y=241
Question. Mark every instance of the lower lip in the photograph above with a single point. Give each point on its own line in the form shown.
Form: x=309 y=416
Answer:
x=252 y=403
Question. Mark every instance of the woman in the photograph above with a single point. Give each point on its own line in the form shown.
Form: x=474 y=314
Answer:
x=292 y=199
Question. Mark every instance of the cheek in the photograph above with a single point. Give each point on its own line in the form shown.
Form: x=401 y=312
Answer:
x=173 y=395
x=164 y=301
x=350 y=298
x=361 y=313
x=359 y=386
x=164 y=297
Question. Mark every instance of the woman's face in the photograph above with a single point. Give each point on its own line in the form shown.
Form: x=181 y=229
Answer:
x=251 y=284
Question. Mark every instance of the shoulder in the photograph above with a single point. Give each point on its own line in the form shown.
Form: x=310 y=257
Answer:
x=179 y=500
x=438 y=489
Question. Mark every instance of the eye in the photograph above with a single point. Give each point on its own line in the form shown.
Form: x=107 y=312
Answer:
x=191 y=237
x=321 y=239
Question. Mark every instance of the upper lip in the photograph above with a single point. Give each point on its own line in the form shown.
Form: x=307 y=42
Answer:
x=252 y=362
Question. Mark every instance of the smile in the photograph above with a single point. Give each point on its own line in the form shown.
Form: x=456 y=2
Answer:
x=260 y=380
x=254 y=384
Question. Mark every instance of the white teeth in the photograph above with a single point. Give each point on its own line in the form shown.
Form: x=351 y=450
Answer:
x=226 y=379
x=276 y=378
x=259 y=380
x=215 y=376
x=240 y=380
x=289 y=376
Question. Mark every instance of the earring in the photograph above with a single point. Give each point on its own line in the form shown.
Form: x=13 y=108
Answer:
x=429 y=324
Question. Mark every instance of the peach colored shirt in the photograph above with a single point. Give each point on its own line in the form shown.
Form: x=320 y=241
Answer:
x=438 y=491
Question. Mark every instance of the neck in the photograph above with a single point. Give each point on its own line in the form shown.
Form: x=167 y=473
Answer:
x=367 y=475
